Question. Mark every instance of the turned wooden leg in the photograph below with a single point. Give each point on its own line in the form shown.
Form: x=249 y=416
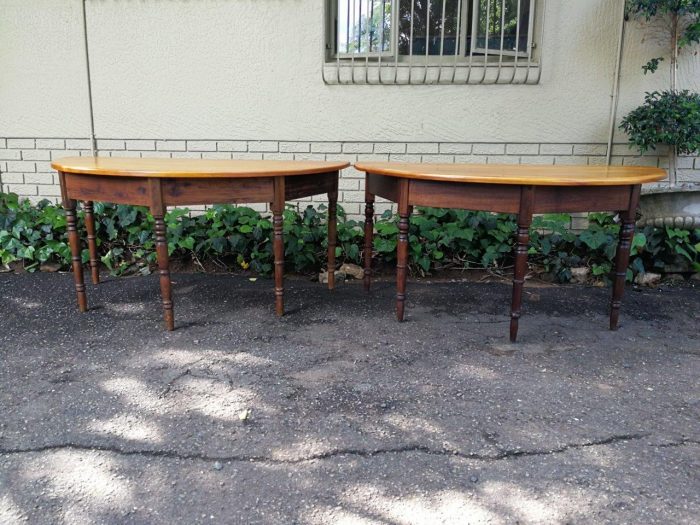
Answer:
x=92 y=243
x=622 y=256
x=74 y=240
x=369 y=235
x=158 y=212
x=278 y=244
x=402 y=250
x=332 y=234
x=521 y=246
x=164 y=272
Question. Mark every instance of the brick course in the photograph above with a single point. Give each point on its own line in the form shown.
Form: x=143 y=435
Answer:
x=25 y=162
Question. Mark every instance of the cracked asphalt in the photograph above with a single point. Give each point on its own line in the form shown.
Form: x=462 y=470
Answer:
x=336 y=413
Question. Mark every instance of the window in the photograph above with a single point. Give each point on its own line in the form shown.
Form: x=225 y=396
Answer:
x=434 y=34
x=363 y=27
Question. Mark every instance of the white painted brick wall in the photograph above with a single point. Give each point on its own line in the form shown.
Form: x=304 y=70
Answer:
x=229 y=145
x=489 y=149
x=556 y=149
x=20 y=143
x=260 y=145
x=170 y=145
x=422 y=147
x=201 y=145
x=459 y=149
x=25 y=162
x=522 y=149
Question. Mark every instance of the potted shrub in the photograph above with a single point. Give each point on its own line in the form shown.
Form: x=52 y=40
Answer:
x=670 y=117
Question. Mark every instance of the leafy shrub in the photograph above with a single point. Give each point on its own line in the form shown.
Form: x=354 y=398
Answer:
x=666 y=117
x=240 y=238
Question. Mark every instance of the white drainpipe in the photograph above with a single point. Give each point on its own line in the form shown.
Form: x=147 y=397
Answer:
x=616 y=83
x=93 y=141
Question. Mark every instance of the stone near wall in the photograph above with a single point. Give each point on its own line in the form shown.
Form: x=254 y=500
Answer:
x=674 y=278
x=352 y=270
x=580 y=275
x=648 y=279
x=339 y=277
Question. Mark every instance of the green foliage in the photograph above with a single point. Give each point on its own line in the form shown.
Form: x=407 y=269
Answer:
x=652 y=65
x=31 y=234
x=239 y=238
x=668 y=117
x=666 y=246
x=690 y=9
x=650 y=8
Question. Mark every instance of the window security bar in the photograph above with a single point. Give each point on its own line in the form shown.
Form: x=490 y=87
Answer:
x=433 y=42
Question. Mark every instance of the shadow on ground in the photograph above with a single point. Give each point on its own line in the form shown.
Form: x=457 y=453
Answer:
x=353 y=418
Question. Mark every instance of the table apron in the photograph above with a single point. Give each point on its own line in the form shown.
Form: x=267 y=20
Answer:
x=499 y=198
x=119 y=190
x=300 y=186
x=178 y=192
x=192 y=191
x=572 y=199
x=502 y=198
x=383 y=186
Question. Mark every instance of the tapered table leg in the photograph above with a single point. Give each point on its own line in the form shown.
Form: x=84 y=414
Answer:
x=278 y=243
x=369 y=234
x=332 y=233
x=158 y=212
x=402 y=250
x=164 y=272
x=622 y=256
x=92 y=242
x=74 y=241
x=522 y=240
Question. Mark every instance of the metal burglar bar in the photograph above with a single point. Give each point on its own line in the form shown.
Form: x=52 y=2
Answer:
x=433 y=41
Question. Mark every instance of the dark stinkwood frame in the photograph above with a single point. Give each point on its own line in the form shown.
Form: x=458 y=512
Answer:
x=159 y=183
x=520 y=190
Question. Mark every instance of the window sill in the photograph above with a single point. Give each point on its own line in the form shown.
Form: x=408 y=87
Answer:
x=390 y=73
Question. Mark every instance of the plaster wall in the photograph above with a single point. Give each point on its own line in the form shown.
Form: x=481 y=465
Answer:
x=43 y=86
x=251 y=70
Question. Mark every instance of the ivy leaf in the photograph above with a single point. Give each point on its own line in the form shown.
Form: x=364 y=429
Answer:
x=652 y=65
x=638 y=242
x=187 y=243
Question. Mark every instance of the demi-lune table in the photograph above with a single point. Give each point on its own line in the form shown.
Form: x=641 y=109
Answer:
x=518 y=189
x=158 y=183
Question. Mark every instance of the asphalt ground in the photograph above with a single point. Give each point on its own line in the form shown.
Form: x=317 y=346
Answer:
x=336 y=413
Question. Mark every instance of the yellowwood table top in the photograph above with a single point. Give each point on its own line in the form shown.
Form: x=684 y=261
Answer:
x=517 y=173
x=192 y=168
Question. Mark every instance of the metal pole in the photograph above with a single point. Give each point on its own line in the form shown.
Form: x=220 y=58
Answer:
x=616 y=84
x=93 y=140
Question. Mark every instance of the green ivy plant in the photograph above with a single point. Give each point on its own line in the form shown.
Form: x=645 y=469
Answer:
x=239 y=239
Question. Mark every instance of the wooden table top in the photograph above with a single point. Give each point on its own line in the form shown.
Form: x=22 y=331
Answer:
x=534 y=175
x=192 y=168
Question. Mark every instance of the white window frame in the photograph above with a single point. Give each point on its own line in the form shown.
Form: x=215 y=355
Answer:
x=464 y=55
x=333 y=35
x=505 y=52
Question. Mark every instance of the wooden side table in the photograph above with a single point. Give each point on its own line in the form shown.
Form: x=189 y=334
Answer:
x=519 y=189
x=158 y=183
